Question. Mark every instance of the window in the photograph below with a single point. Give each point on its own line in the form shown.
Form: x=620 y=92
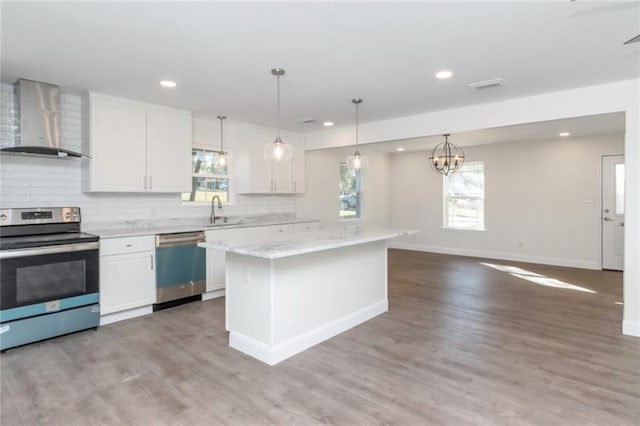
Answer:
x=464 y=197
x=209 y=178
x=620 y=188
x=349 y=192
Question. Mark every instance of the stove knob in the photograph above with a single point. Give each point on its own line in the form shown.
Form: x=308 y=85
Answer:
x=3 y=217
x=67 y=215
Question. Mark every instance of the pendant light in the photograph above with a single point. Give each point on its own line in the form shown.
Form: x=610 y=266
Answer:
x=446 y=157
x=356 y=161
x=222 y=155
x=278 y=150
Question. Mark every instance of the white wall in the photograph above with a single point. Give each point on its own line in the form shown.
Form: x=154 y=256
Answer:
x=621 y=96
x=321 y=198
x=542 y=201
x=36 y=181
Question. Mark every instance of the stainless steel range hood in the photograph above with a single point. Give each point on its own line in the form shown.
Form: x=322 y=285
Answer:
x=38 y=107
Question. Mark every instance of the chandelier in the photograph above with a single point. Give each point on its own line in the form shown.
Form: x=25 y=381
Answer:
x=446 y=157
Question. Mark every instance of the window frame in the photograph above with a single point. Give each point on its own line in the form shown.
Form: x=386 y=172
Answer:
x=230 y=176
x=446 y=197
x=358 y=191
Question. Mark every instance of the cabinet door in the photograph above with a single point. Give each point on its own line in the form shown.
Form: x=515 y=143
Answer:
x=216 y=259
x=169 y=150
x=261 y=180
x=126 y=281
x=298 y=164
x=118 y=145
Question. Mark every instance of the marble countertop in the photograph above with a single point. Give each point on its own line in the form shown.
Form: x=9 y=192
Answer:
x=306 y=242
x=140 y=228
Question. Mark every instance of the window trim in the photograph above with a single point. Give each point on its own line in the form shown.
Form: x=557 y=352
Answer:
x=231 y=176
x=445 y=198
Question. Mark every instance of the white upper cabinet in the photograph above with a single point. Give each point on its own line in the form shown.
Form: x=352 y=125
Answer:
x=168 y=150
x=255 y=174
x=138 y=147
x=118 y=145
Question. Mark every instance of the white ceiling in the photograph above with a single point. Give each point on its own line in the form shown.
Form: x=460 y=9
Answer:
x=221 y=53
x=578 y=127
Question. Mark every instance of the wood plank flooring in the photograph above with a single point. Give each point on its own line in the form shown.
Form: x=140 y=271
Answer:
x=462 y=343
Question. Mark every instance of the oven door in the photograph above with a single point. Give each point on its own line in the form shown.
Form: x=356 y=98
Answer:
x=40 y=280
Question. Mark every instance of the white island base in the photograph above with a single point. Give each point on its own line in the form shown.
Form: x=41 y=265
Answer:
x=278 y=307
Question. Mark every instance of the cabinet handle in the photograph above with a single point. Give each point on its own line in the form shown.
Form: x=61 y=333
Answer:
x=150 y=181
x=145 y=181
x=275 y=186
x=151 y=256
x=294 y=187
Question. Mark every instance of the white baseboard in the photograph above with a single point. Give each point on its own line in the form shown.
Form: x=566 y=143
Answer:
x=274 y=354
x=213 y=294
x=631 y=328
x=571 y=263
x=124 y=315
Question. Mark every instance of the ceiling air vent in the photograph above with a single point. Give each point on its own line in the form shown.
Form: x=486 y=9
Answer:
x=306 y=120
x=487 y=84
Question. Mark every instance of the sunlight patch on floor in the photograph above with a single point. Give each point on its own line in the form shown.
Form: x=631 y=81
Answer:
x=536 y=278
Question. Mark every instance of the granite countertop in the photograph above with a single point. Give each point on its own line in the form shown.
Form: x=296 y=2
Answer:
x=306 y=242
x=168 y=226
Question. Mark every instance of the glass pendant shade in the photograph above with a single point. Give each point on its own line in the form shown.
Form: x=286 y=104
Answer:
x=222 y=158
x=446 y=158
x=356 y=161
x=278 y=150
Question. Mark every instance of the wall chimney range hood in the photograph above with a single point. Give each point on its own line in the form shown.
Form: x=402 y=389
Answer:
x=38 y=116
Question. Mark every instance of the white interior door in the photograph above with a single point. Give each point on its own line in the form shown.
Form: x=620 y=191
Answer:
x=613 y=212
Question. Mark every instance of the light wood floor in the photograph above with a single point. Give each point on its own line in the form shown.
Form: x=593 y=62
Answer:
x=462 y=343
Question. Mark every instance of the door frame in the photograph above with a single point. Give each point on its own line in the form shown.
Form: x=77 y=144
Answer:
x=601 y=217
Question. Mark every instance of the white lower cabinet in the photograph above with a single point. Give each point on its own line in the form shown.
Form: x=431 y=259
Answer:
x=127 y=278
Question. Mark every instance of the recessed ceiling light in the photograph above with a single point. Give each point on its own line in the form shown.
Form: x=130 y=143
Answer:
x=399 y=149
x=564 y=134
x=168 y=83
x=443 y=74
x=328 y=123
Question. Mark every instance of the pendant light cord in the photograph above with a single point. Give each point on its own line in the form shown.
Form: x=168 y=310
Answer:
x=278 y=77
x=357 y=126
x=221 y=140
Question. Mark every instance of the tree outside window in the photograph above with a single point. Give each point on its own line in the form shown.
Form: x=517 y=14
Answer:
x=350 y=190
x=209 y=178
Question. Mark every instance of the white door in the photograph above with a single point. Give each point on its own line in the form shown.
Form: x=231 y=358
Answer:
x=613 y=212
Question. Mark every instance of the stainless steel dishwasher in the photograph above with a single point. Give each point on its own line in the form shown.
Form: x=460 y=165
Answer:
x=180 y=268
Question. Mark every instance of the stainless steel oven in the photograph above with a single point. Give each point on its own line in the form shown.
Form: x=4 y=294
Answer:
x=49 y=275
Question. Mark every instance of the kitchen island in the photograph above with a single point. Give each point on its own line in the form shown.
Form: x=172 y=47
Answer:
x=286 y=294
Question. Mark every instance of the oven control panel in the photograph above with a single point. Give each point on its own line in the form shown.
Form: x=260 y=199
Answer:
x=40 y=215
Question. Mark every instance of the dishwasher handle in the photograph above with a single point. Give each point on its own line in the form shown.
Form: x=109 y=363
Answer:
x=179 y=239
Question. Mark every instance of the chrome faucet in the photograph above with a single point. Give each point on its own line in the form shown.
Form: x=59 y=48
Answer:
x=213 y=208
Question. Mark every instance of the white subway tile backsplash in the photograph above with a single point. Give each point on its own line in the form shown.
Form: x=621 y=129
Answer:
x=35 y=181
